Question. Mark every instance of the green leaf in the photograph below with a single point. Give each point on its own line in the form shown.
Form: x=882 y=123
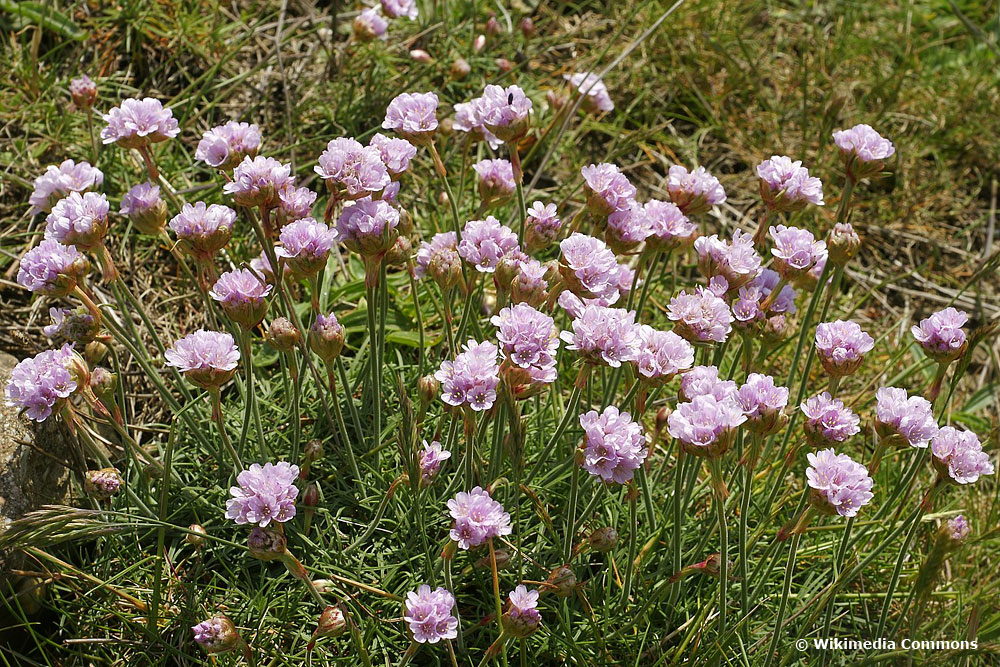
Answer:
x=44 y=16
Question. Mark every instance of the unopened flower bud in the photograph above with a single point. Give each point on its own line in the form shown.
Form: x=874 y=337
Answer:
x=460 y=69
x=283 y=335
x=103 y=383
x=492 y=25
x=842 y=243
x=268 y=543
x=313 y=451
x=603 y=539
x=103 y=483
x=332 y=622
x=527 y=27
x=504 y=65
x=95 y=352
x=662 y=415
x=479 y=43
x=400 y=252
x=428 y=388
x=556 y=99
x=420 y=56
x=562 y=581
x=443 y=198
x=488 y=304
x=196 y=537
x=310 y=497
x=503 y=560
x=326 y=337
x=83 y=90
x=217 y=635
x=955 y=531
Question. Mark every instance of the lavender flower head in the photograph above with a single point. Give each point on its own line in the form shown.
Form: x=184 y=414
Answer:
x=661 y=355
x=428 y=615
x=102 y=484
x=59 y=181
x=864 y=150
x=958 y=528
x=496 y=181
x=352 y=170
x=762 y=401
x=368 y=227
x=265 y=493
x=369 y=24
x=786 y=185
x=478 y=518
x=203 y=229
x=604 y=335
x=828 y=421
x=257 y=182
x=531 y=284
x=838 y=484
x=326 y=337
x=613 y=445
x=138 y=123
x=910 y=418
x=669 y=228
x=396 y=153
x=596 y=98
x=541 y=227
x=208 y=359
x=472 y=378
x=694 y=191
x=468 y=119
x=705 y=426
x=430 y=459
x=225 y=146
x=842 y=346
x=144 y=207
x=216 y=635
x=737 y=261
x=51 y=268
x=305 y=246
x=627 y=228
x=588 y=268
x=701 y=317
x=505 y=111
x=608 y=189
x=294 y=204
x=396 y=8
x=83 y=91
x=79 y=219
x=242 y=296
x=440 y=260
x=413 y=116
x=485 y=242
x=705 y=381
x=77 y=326
x=528 y=338
x=958 y=454
x=941 y=335
x=521 y=617
x=765 y=283
x=795 y=251
x=40 y=385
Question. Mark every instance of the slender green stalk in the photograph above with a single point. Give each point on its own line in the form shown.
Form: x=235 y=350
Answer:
x=451 y=587
x=220 y=421
x=161 y=533
x=568 y=415
x=632 y=546
x=371 y=285
x=353 y=409
x=293 y=370
x=348 y=447
x=250 y=402
x=783 y=604
x=498 y=601
x=744 y=552
x=574 y=494
x=837 y=564
x=720 y=509
x=421 y=355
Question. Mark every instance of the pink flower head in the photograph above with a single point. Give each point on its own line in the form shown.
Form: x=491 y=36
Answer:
x=828 y=420
x=51 y=268
x=528 y=338
x=701 y=317
x=608 y=189
x=83 y=91
x=144 y=207
x=627 y=228
x=472 y=378
x=662 y=355
x=477 y=518
x=208 y=359
x=505 y=111
x=294 y=204
x=521 y=616
x=839 y=485
x=589 y=269
x=958 y=528
x=257 y=182
x=243 y=297
x=542 y=226
x=352 y=169
x=225 y=146
x=786 y=185
x=265 y=493
x=40 y=385
x=762 y=401
x=613 y=445
x=428 y=615
x=795 y=251
x=496 y=181
x=604 y=335
x=440 y=260
x=79 y=219
x=694 y=191
x=531 y=284
x=59 y=181
x=596 y=98
x=784 y=302
x=959 y=455
x=864 y=150
x=899 y=415
x=396 y=8
x=203 y=229
x=941 y=335
x=842 y=243
x=413 y=116
x=77 y=326
x=138 y=123
x=369 y=24
x=468 y=119
x=842 y=346
x=368 y=227
x=396 y=153
x=705 y=426
x=216 y=635
x=485 y=242
x=705 y=381
x=736 y=261
x=430 y=459
x=305 y=246
x=669 y=228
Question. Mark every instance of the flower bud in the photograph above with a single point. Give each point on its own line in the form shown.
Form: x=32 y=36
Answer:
x=196 y=537
x=503 y=560
x=492 y=25
x=955 y=531
x=94 y=352
x=217 y=635
x=400 y=252
x=842 y=243
x=326 y=337
x=527 y=27
x=420 y=56
x=83 y=91
x=268 y=543
x=103 y=483
x=332 y=622
x=562 y=581
x=603 y=540
x=460 y=69
x=310 y=497
x=104 y=384
x=283 y=335
x=479 y=43
x=556 y=99
x=428 y=388
x=504 y=66
x=445 y=268
x=313 y=451
x=662 y=415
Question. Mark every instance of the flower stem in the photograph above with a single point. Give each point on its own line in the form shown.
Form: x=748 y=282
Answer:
x=497 y=600
x=783 y=604
x=720 y=508
x=371 y=283
x=221 y=423
x=837 y=564
x=250 y=398
x=574 y=495
x=568 y=416
x=632 y=545
x=351 y=460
